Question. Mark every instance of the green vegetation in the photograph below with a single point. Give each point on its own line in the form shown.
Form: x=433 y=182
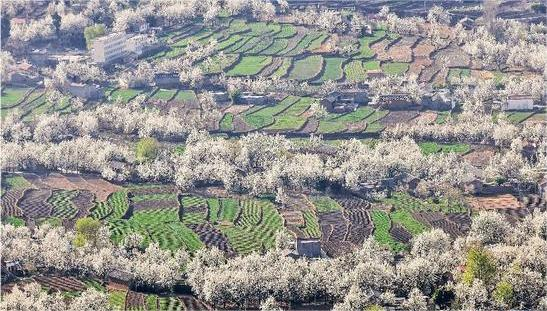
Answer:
x=324 y=204
x=455 y=74
x=229 y=210
x=61 y=200
x=12 y=96
x=311 y=229
x=227 y=122
x=434 y=147
x=256 y=227
x=404 y=218
x=306 y=68
x=286 y=31
x=265 y=116
x=336 y=123
x=115 y=207
x=382 y=225
x=184 y=96
x=365 y=51
x=146 y=149
x=394 y=68
x=504 y=293
x=480 y=265
x=519 y=116
x=14 y=221
x=170 y=304
x=355 y=71
x=151 y=302
x=276 y=47
x=304 y=43
x=291 y=118
x=15 y=182
x=213 y=205
x=162 y=94
x=404 y=201
x=333 y=69
x=250 y=65
x=124 y=95
x=283 y=69
x=92 y=32
x=87 y=230
x=116 y=298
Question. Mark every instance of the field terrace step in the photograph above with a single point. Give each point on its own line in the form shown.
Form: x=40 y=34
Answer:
x=34 y=203
x=61 y=283
x=212 y=237
x=134 y=301
x=9 y=202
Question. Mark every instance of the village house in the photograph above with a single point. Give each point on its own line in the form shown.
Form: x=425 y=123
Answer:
x=344 y=101
x=85 y=91
x=248 y=98
x=518 y=102
x=143 y=45
x=309 y=248
x=23 y=74
x=109 y=48
x=401 y=101
x=167 y=80
x=220 y=96
x=439 y=100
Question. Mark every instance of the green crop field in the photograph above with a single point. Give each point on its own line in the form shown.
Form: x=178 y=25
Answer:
x=226 y=123
x=276 y=47
x=519 y=116
x=291 y=119
x=163 y=94
x=333 y=69
x=311 y=229
x=306 y=68
x=185 y=96
x=12 y=96
x=324 y=204
x=355 y=71
x=286 y=31
x=256 y=228
x=116 y=299
x=250 y=65
x=394 y=68
x=62 y=204
x=213 y=205
x=218 y=65
x=302 y=44
x=265 y=116
x=124 y=95
x=381 y=231
x=404 y=218
x=433 y=147
x=115 y=207
x=404 y=201
x=283 y=69
x=364 y=44
x=229 y=208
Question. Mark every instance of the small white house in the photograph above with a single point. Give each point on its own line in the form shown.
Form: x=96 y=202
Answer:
x=518 y=102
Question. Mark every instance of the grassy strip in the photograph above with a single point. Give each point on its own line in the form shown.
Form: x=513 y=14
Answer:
x=324 y=204
x=381 y=231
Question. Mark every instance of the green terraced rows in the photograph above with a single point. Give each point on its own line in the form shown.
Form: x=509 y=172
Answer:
x=286 y=31
x=333 y=69
x=283 y=69
x=404 y=218
x=381 y=231
x=185 y=96
x=151 y=302
x=247 y=237
x=190 y=201
x=303 y=44
x=403 y=201
x=162 y=94
x=124 y=95
x=229 y=209
x=364 y=44
x=291 y=118
x=306 y=68
x=276 y=47
x=154 y=197
x=115 y=207
x=311 y=228
x=250 y=65
x=116 y=298
x=335 y=123
x=355 y=71
x=324 y=204
x=227 y=122
x=12 y=96
x=213 y=205
x=265 y=116
x=250 y=213
x=170 y=304
x=62 y=204
x=394 y=68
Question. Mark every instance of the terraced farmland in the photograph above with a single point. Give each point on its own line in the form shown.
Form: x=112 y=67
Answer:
x=250 y=65
x=306 y=68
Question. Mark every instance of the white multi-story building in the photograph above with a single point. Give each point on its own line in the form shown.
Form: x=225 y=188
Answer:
x=109 y=48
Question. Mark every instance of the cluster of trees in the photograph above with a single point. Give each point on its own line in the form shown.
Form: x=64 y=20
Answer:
x=496 y=266
x=395 y=84
x=508 y=44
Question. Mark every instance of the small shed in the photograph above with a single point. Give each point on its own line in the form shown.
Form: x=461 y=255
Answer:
x=439 y=100
x=310 y=248
x=85 y=91
x=167 y=80
x=518 y=102
x=399 y=101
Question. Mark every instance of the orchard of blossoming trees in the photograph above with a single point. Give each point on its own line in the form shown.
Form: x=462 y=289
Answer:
x=273 y=155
